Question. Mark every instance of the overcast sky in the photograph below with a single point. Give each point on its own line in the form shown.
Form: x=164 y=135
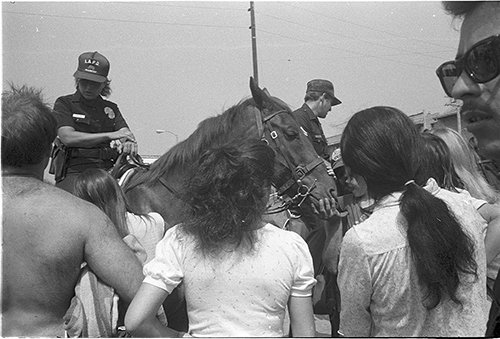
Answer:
x=174 y=64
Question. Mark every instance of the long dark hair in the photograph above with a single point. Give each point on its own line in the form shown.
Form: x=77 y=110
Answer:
x=384 y=146
x=227 y=195
x=100 y=188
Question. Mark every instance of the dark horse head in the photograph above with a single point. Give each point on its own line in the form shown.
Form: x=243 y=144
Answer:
x=300 y=173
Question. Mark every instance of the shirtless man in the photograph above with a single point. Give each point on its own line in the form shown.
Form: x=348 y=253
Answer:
x=47 y=232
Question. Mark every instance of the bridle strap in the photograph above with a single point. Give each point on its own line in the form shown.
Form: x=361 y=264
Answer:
x=163 y=181
x=298 y=172
x=258 y=119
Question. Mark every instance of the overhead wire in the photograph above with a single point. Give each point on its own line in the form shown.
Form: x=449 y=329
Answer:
x=169 y=4
x=231 y=26
x=346 y=36
x=367 y=27
x=122 y=20
x=226 y=27
x=346 y=50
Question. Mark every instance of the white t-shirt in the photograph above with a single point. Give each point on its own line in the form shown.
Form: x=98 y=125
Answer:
x=238 y=294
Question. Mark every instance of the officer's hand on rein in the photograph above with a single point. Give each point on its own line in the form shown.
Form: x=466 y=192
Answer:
x=124 y=135
x=130 y=147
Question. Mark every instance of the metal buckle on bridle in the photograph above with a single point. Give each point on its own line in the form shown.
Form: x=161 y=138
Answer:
x=300 y=172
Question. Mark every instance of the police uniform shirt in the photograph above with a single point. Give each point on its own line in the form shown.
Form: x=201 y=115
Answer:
x=310 y=123
x=95 y=116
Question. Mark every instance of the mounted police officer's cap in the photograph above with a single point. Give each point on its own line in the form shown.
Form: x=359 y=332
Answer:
x=92 y=66
x=323 y=86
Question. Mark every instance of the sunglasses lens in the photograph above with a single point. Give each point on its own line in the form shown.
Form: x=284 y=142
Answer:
x=482 y=62
x=448 y=73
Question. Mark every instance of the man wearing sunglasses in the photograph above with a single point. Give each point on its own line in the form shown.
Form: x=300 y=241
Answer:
x=474 y=75
x=474 y=78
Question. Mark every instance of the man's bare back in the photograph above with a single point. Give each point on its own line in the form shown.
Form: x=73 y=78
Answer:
x=47 y=234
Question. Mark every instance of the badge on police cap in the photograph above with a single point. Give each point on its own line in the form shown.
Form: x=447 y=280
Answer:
x=109 y=112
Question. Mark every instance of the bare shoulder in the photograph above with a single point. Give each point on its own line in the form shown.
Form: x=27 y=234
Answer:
x=48 y=233
x=53 y=207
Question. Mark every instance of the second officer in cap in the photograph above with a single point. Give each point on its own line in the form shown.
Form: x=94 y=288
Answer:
x=88 y=125
x=318 y=101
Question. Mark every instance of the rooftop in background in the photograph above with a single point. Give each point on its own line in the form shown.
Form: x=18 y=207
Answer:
x=424 y=120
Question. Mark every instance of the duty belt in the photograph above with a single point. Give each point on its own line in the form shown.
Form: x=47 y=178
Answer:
x=105 y=153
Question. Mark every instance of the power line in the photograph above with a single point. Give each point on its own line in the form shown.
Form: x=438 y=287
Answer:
x=368 y=27
x=163 y=4
x=345 y=50
x=349 y=37
x=124 y=20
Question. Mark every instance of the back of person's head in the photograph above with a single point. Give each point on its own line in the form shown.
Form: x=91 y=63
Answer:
x=227 y=195
x=461 y=8
x=466 y=160
x=101 y=189
x=437 y=163
x=378 y=144
x=384 y=146
x=28 y=127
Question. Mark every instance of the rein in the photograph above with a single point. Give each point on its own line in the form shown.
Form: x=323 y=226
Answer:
x=298 y=172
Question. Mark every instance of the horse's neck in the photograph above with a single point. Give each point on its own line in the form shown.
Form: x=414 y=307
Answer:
x=168 y=193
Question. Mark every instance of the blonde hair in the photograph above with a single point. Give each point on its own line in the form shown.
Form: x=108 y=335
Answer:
x=466 y=160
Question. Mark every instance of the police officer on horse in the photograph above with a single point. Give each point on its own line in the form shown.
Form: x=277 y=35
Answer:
x=91 y=131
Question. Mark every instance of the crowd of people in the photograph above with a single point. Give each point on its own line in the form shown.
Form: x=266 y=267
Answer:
x=412 y=248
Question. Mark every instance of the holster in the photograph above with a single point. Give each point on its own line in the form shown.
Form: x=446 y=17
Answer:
x=59 y=160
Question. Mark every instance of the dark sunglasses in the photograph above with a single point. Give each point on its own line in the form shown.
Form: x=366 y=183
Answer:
x=481 y=63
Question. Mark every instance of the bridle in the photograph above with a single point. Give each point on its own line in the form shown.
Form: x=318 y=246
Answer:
x=298 y=173
x=267 y=134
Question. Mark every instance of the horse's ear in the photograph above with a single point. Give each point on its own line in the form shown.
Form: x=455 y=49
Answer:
x=259 y=96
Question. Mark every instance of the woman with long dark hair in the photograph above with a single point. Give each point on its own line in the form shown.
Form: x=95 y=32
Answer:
x=100 y=188
x=239 y=272
x=416 y=266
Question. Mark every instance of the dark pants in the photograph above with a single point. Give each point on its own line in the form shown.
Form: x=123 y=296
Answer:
x=68 y=182
x=330 y=298
x=73 y=171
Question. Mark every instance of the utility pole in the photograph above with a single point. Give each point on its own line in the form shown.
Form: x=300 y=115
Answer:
x=254 y=43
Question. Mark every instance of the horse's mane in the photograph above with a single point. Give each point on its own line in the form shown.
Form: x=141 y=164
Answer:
x=211 y=131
